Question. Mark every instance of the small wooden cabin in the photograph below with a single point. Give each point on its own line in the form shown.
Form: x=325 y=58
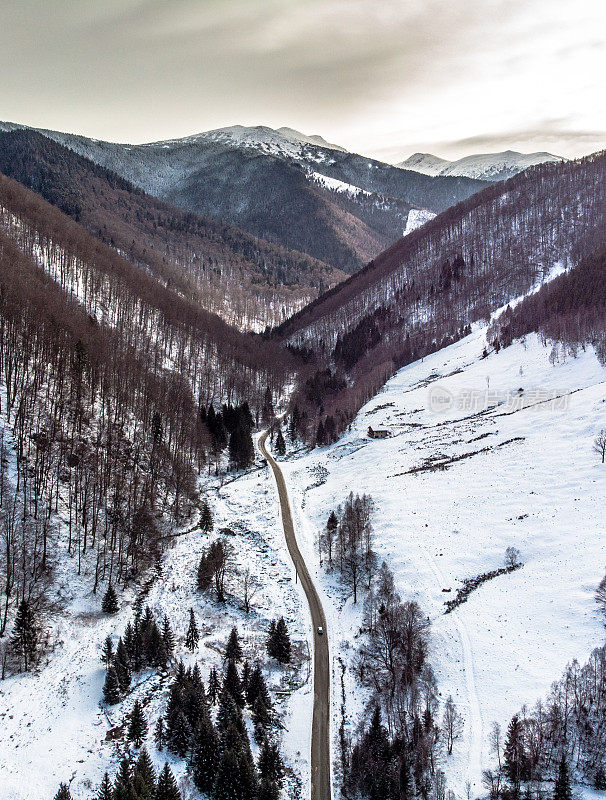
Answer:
x=379 y=434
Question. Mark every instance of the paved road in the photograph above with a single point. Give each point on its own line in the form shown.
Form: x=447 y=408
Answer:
x=320 y=732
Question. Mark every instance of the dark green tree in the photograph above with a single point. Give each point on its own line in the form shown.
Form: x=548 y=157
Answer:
x=144 y=777
x=111 y=687
x=514 y=754
x=214 y=686
x=278 y=642
x=168 y=637
x=561 y=789
x=24 y=638
x=599 y=780
x=122 y=666
x=123 y=785
x=192 y=637
x=107 y=652
x=233 y=684
x=137 y=726
x=206 y=518
x=233 y=650
x=63 y=793
x=271 y=771
x=159 y=734
x=104 y=791
x=203 y=756
x=109 y=604
x=280 y=445
x=167 y=788
x=241 y=447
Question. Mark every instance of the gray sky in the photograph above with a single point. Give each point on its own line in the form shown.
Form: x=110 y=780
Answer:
x=381 y=77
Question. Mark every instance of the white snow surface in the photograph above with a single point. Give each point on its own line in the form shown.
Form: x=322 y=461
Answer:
x=416 y=218
x=53 y=724
x=482 y=166
x=526 y=476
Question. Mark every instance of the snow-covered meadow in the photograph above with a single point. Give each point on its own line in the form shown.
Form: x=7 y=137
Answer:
x=483 y=453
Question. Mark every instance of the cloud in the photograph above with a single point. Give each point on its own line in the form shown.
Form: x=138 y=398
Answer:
x=378 y=75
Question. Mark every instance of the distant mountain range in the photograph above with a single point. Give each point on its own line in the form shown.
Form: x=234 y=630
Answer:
x=482 y=166
x=283 y=186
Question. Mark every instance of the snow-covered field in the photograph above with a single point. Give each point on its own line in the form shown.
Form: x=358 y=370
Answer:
x=498 y=467
x=52 y=727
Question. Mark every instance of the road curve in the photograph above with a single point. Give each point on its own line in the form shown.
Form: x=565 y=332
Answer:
x=320 y=731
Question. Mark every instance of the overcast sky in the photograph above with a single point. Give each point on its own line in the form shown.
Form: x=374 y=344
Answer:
x=381 y=77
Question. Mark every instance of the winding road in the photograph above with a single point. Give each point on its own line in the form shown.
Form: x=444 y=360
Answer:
x=320 y=732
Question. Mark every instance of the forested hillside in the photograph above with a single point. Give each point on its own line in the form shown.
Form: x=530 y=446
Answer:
x=109 y=382
x=279 y=188
x=249 y=282
x=424 y=292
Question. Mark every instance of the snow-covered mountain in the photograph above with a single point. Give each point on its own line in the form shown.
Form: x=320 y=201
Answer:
x=482 y=166
x=262 y=180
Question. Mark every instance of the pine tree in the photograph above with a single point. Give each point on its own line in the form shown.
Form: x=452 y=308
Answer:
x=271 y=771
x=123 y=785
x=122 y=667
x=24 y=638
x=178 y=733
x=214 y=686
x=137 y=726
x=268 y=406
x=159 y=734
x=241 y=447
x=257 y=687
x=109 y=604
x=236 y=776
x=111 y=687
x=561 y=789
x=280 y=445
x=203 y=756
x=105 y=791
x=144 y=777
x=514 y=755
x=232 y=683
x=107 y=652
x=206 y=518
x=233 y=651
x=63 y=793
x=599 y=781
x=278 y=643
x=192 y=637
x=168 y=637
x=167 y=788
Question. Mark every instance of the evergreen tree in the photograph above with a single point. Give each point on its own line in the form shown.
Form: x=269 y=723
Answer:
x=63 y=793
x=203 y=756
x=514 y=754
x=232 y=683
x=245 y=677
x=241 y=447
x=109 y=604
x=236 y=776
x=268 y=406
x=278 y=643
x=206 y=518
x=111 y=687
x=599 y=781
x=168 y=637
x=214 y=686
x=159 y=734
x=178 y=733
x=167 y=788
x=144 y=777
x=229 y=716
x=123 y=785
x=561 y=789
x=137 y=726
x=192 y=637
x=280 y=445
x=233 y=651
x=107 y=652
x=122 y=667
x=271 y=771
x=24 y=638
x=105 y=791
x=257 y=687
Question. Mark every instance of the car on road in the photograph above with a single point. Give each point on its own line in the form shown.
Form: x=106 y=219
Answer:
x=320 y=630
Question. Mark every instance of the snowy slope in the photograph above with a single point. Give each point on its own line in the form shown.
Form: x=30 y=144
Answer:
x=485 y=166
x=53 y=726
x=416 y=218
x=515 y=470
